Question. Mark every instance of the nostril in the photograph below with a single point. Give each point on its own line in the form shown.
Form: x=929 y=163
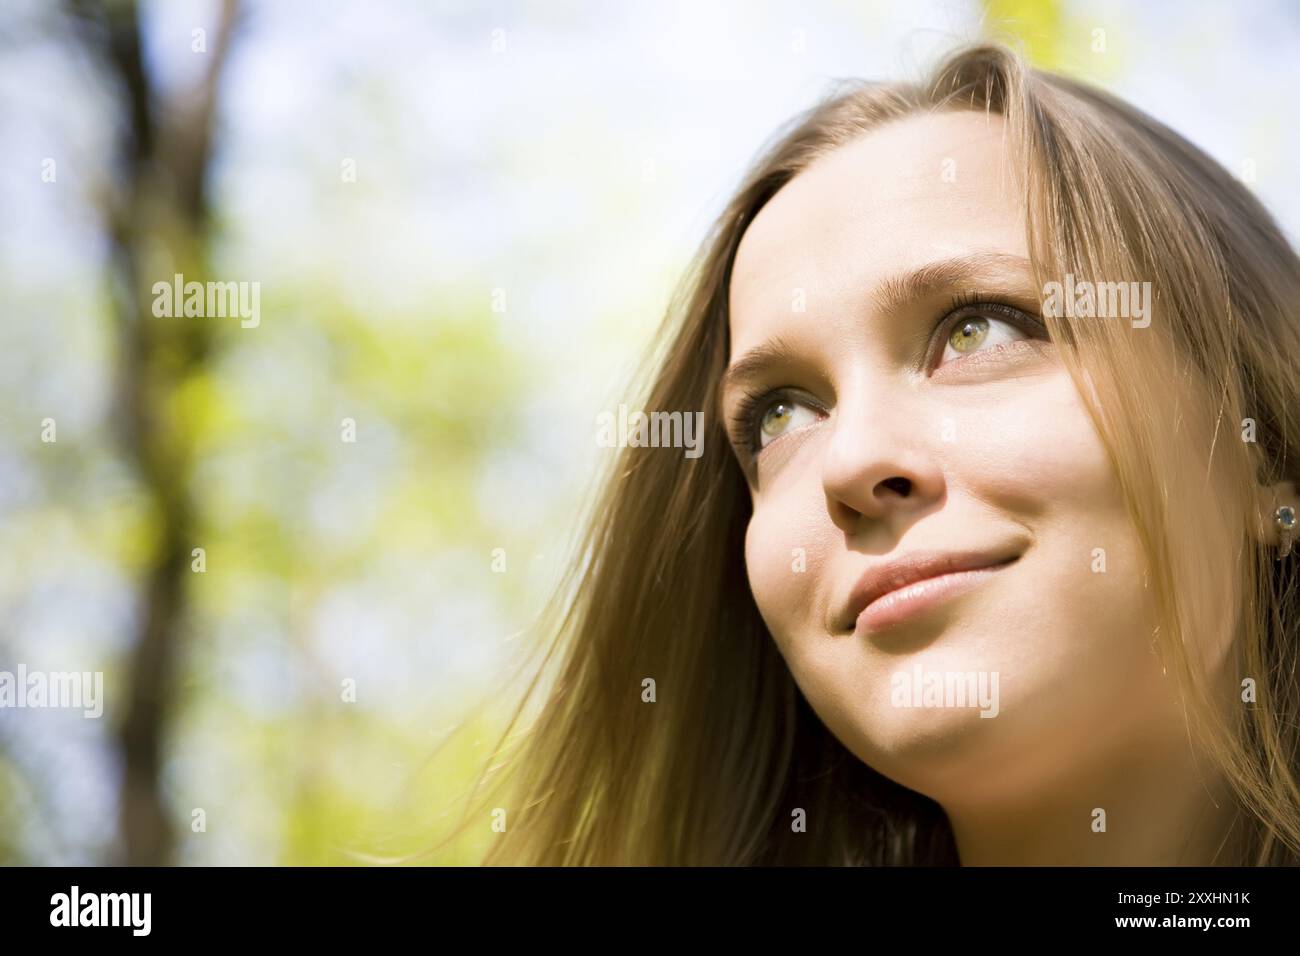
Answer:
x=901 y=485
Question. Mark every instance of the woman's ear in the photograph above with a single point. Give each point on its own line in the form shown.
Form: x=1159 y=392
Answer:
x=1269 y=498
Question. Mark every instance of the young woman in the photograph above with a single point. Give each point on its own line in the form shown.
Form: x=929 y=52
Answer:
x=983 y=559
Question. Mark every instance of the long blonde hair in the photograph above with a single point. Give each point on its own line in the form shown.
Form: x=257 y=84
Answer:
x=712 y=770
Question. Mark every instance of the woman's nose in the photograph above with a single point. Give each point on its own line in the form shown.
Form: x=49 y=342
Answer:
x=881 y=463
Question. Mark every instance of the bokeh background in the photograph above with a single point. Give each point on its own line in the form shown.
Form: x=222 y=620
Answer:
x=466 y=220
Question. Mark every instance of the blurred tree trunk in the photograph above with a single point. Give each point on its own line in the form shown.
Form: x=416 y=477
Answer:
x=157 y=221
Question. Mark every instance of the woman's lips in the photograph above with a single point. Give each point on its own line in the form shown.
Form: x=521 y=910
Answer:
x=920 y=591
x=916 y=598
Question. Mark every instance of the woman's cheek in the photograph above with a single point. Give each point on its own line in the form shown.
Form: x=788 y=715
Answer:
x=785 y=558
x=1034 y=452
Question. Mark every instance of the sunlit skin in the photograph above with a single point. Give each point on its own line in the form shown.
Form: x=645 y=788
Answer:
x=903 y=432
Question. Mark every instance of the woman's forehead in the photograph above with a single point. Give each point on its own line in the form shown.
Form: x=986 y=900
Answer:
x=918 y=190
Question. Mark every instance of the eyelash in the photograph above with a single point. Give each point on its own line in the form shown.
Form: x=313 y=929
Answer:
x=751 y=405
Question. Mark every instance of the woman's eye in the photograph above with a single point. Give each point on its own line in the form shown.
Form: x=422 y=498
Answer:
x=975 y=332
x=781 y=416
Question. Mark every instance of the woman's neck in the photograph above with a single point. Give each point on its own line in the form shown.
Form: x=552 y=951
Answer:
x=1155 y=805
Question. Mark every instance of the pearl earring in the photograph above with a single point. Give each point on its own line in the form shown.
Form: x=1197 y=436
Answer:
x=1286 y=521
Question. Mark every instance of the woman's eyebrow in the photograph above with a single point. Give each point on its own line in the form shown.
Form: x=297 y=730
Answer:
x=776 y=351
x=892 y=295
x=896 y=293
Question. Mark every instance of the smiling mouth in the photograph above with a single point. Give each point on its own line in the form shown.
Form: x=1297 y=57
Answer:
x=915 y=582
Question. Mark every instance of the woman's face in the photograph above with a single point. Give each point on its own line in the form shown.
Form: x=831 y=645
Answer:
x=887 y=421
